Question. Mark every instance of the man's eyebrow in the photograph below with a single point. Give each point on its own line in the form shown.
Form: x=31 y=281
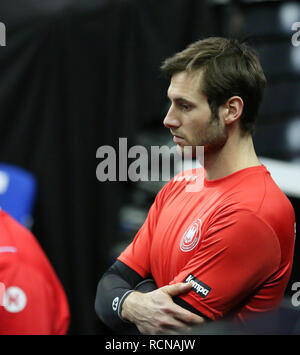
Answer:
x=180 y=98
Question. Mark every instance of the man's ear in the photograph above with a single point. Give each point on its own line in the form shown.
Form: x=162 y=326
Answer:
x=232 y=110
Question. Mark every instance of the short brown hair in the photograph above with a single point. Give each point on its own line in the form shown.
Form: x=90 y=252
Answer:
x=230 y=68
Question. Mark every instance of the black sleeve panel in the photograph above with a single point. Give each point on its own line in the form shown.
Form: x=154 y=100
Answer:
x=180 y=302
x=114 y=286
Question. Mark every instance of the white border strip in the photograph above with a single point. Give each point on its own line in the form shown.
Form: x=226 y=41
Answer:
x=285 y=174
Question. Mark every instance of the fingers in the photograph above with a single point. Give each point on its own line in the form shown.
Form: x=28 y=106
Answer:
x=156 y=313
x=167 y=325
x=178 y=312
x=187 y=317
x=177 y=289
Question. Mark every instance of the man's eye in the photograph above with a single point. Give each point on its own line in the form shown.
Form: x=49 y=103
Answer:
x=184 y=107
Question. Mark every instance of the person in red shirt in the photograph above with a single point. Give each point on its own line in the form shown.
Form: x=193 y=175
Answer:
x=222 y=249
x=32 y=301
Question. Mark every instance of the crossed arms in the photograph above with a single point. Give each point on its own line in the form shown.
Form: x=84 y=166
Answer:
x=126 y=302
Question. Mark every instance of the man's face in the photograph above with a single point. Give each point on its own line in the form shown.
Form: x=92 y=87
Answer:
x=189 y=118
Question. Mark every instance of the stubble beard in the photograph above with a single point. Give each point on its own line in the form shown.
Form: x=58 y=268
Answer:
x=212 y=137
x=216 y=136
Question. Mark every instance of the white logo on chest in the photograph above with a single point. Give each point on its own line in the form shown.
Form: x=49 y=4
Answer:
x=191 y=237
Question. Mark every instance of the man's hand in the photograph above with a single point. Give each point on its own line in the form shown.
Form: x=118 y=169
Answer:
x=156 y=313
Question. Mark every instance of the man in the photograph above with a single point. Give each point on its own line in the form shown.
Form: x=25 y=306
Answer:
x=227 y=249
x=32 y=299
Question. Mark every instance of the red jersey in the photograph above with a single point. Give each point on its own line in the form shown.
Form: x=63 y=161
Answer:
x=34 y=301
x=233 y=239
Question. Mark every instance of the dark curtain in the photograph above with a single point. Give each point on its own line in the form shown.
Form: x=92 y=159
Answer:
x=76 y=75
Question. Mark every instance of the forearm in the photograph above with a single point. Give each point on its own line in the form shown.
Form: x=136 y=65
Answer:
x=113 y=288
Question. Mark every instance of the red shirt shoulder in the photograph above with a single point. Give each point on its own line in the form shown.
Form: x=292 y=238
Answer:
x=34 y=301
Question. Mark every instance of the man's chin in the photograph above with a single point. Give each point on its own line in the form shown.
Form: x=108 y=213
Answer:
x=188 y=152
x=179 y=149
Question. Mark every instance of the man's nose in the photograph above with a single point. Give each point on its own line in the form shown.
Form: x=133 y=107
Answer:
x=171 y=120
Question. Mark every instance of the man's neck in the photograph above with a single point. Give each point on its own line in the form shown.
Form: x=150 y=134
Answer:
x=238 y=153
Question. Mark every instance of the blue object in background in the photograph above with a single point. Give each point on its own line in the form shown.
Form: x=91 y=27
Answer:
x=17 y=193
